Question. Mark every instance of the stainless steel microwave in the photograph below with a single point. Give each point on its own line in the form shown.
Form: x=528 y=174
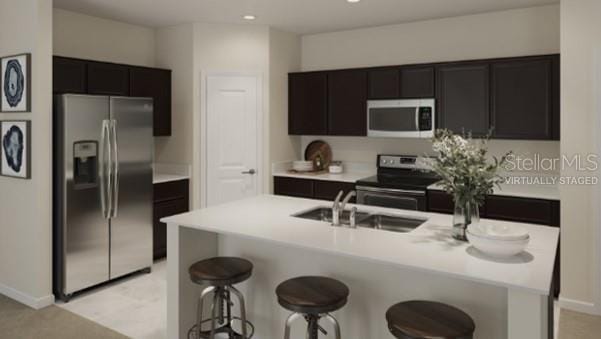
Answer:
x=401 y=118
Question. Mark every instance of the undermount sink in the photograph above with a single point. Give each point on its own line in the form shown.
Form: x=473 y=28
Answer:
x=391 y=223
x=325 y=214
x=379 y=221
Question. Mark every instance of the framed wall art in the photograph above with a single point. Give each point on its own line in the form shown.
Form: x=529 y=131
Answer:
x=16 y=149
x=15 y=85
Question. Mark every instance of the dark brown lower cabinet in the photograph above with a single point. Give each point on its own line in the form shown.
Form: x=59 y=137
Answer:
x=312 y=189
x=170 y=198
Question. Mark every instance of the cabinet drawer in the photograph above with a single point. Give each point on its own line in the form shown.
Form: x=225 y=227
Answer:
x=293 y=187
x=534 y=211
x=327 y=190
x=171 y=190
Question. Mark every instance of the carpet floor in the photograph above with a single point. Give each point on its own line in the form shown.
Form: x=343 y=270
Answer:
x=22 y=322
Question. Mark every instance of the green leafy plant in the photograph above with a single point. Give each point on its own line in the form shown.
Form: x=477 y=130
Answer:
x=465 y=169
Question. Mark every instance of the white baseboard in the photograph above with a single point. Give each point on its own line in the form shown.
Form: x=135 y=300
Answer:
x=579 y=306
x=23 y=298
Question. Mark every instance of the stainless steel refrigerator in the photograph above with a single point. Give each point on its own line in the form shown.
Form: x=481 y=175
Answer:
x=103 y=153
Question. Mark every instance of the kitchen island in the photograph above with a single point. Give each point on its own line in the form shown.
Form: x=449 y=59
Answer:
x=506 y=298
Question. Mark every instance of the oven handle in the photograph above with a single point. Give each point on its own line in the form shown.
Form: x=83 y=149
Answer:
x=389 y=190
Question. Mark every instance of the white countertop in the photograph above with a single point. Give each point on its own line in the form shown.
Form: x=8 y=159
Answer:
x=427 y=248
x=164 y=172
x=343 y=177
x=159 y=178
x=546 y=192
x=353 y=171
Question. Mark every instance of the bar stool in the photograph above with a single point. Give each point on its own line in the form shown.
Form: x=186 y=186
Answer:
x=313 y=298
x=427 y=319
x=221 y=273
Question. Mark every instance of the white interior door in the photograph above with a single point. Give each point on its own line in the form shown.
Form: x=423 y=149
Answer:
x=233 y=126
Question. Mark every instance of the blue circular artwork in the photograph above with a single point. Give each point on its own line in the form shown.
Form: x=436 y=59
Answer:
x=13 y=146
x=14 y=83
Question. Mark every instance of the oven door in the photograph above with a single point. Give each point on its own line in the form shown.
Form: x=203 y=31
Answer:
x=392 y=198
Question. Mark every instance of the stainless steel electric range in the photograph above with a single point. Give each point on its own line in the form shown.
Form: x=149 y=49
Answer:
x=400 y=183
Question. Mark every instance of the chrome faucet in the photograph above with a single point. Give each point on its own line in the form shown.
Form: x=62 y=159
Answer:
x=353 y=218
x=346 y=199
x=338 y=207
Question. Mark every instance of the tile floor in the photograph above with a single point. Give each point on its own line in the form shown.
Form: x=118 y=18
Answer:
x=135 y=306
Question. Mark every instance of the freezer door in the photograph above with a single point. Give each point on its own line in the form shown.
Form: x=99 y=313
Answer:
x=84 y=229
x=131 y=224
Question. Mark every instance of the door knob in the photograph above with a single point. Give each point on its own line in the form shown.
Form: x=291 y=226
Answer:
x=250 y=172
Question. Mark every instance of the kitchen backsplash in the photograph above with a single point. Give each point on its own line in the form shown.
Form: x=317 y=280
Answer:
x=362 y=149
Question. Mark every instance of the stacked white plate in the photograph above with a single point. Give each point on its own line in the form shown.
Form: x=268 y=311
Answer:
x=498 y=240
x=302 y=166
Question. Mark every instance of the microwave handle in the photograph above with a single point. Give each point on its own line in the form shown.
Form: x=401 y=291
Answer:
x=417 y=118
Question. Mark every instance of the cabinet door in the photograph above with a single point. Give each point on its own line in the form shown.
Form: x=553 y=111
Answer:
x=463 y=97
x=162 y=210
x=328 y=190
x=154 y=83
x=69 y=76
x=347 y=102
x=384 y=83
x=307 y=103
x=442 y=202
x=534 y=211
x=108 y=79
x=417 y=82
x=293 y=187
x=522 y=98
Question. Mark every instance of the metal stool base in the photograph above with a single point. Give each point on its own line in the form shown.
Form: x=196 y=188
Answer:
x=226 y=328
x=221 y=318
x=313 y=327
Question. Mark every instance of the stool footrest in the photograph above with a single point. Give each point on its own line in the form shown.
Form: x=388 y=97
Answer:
x=226 y=328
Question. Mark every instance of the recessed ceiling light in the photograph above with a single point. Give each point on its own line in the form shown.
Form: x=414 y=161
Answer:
x=249 y=17
x=353 y=1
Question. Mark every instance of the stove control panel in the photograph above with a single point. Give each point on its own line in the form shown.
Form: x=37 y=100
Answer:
x=397 y=161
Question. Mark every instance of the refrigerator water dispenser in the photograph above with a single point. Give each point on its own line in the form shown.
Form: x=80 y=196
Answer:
x=85 y=161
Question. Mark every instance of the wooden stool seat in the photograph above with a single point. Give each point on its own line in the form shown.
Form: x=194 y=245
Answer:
x=312 y=295
x=427 y=319
x=221 y=271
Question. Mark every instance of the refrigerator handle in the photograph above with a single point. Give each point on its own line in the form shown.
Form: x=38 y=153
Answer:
x=115 y=169
x=104 y=168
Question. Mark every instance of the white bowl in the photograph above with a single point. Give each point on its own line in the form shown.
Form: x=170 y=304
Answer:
x=495 y=247
x=335 y=169
x=302 y=166
x=498 y=232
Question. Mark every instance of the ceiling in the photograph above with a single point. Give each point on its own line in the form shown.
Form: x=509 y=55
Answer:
x=299 y=16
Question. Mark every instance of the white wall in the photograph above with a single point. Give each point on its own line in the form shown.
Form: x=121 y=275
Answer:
x=26 y=205
x=284 y=57
x=580 y=127
x=175 y=51
x=498 y=34
x=87 y=37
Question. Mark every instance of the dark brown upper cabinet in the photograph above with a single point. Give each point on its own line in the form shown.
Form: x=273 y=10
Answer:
x=347 y=102
x=154 y=83
x=69 y=76
x=384 y=83
x=108 y=79
x=308 y=103
x=463 y=97
x=523 y=95
x=417 y=82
